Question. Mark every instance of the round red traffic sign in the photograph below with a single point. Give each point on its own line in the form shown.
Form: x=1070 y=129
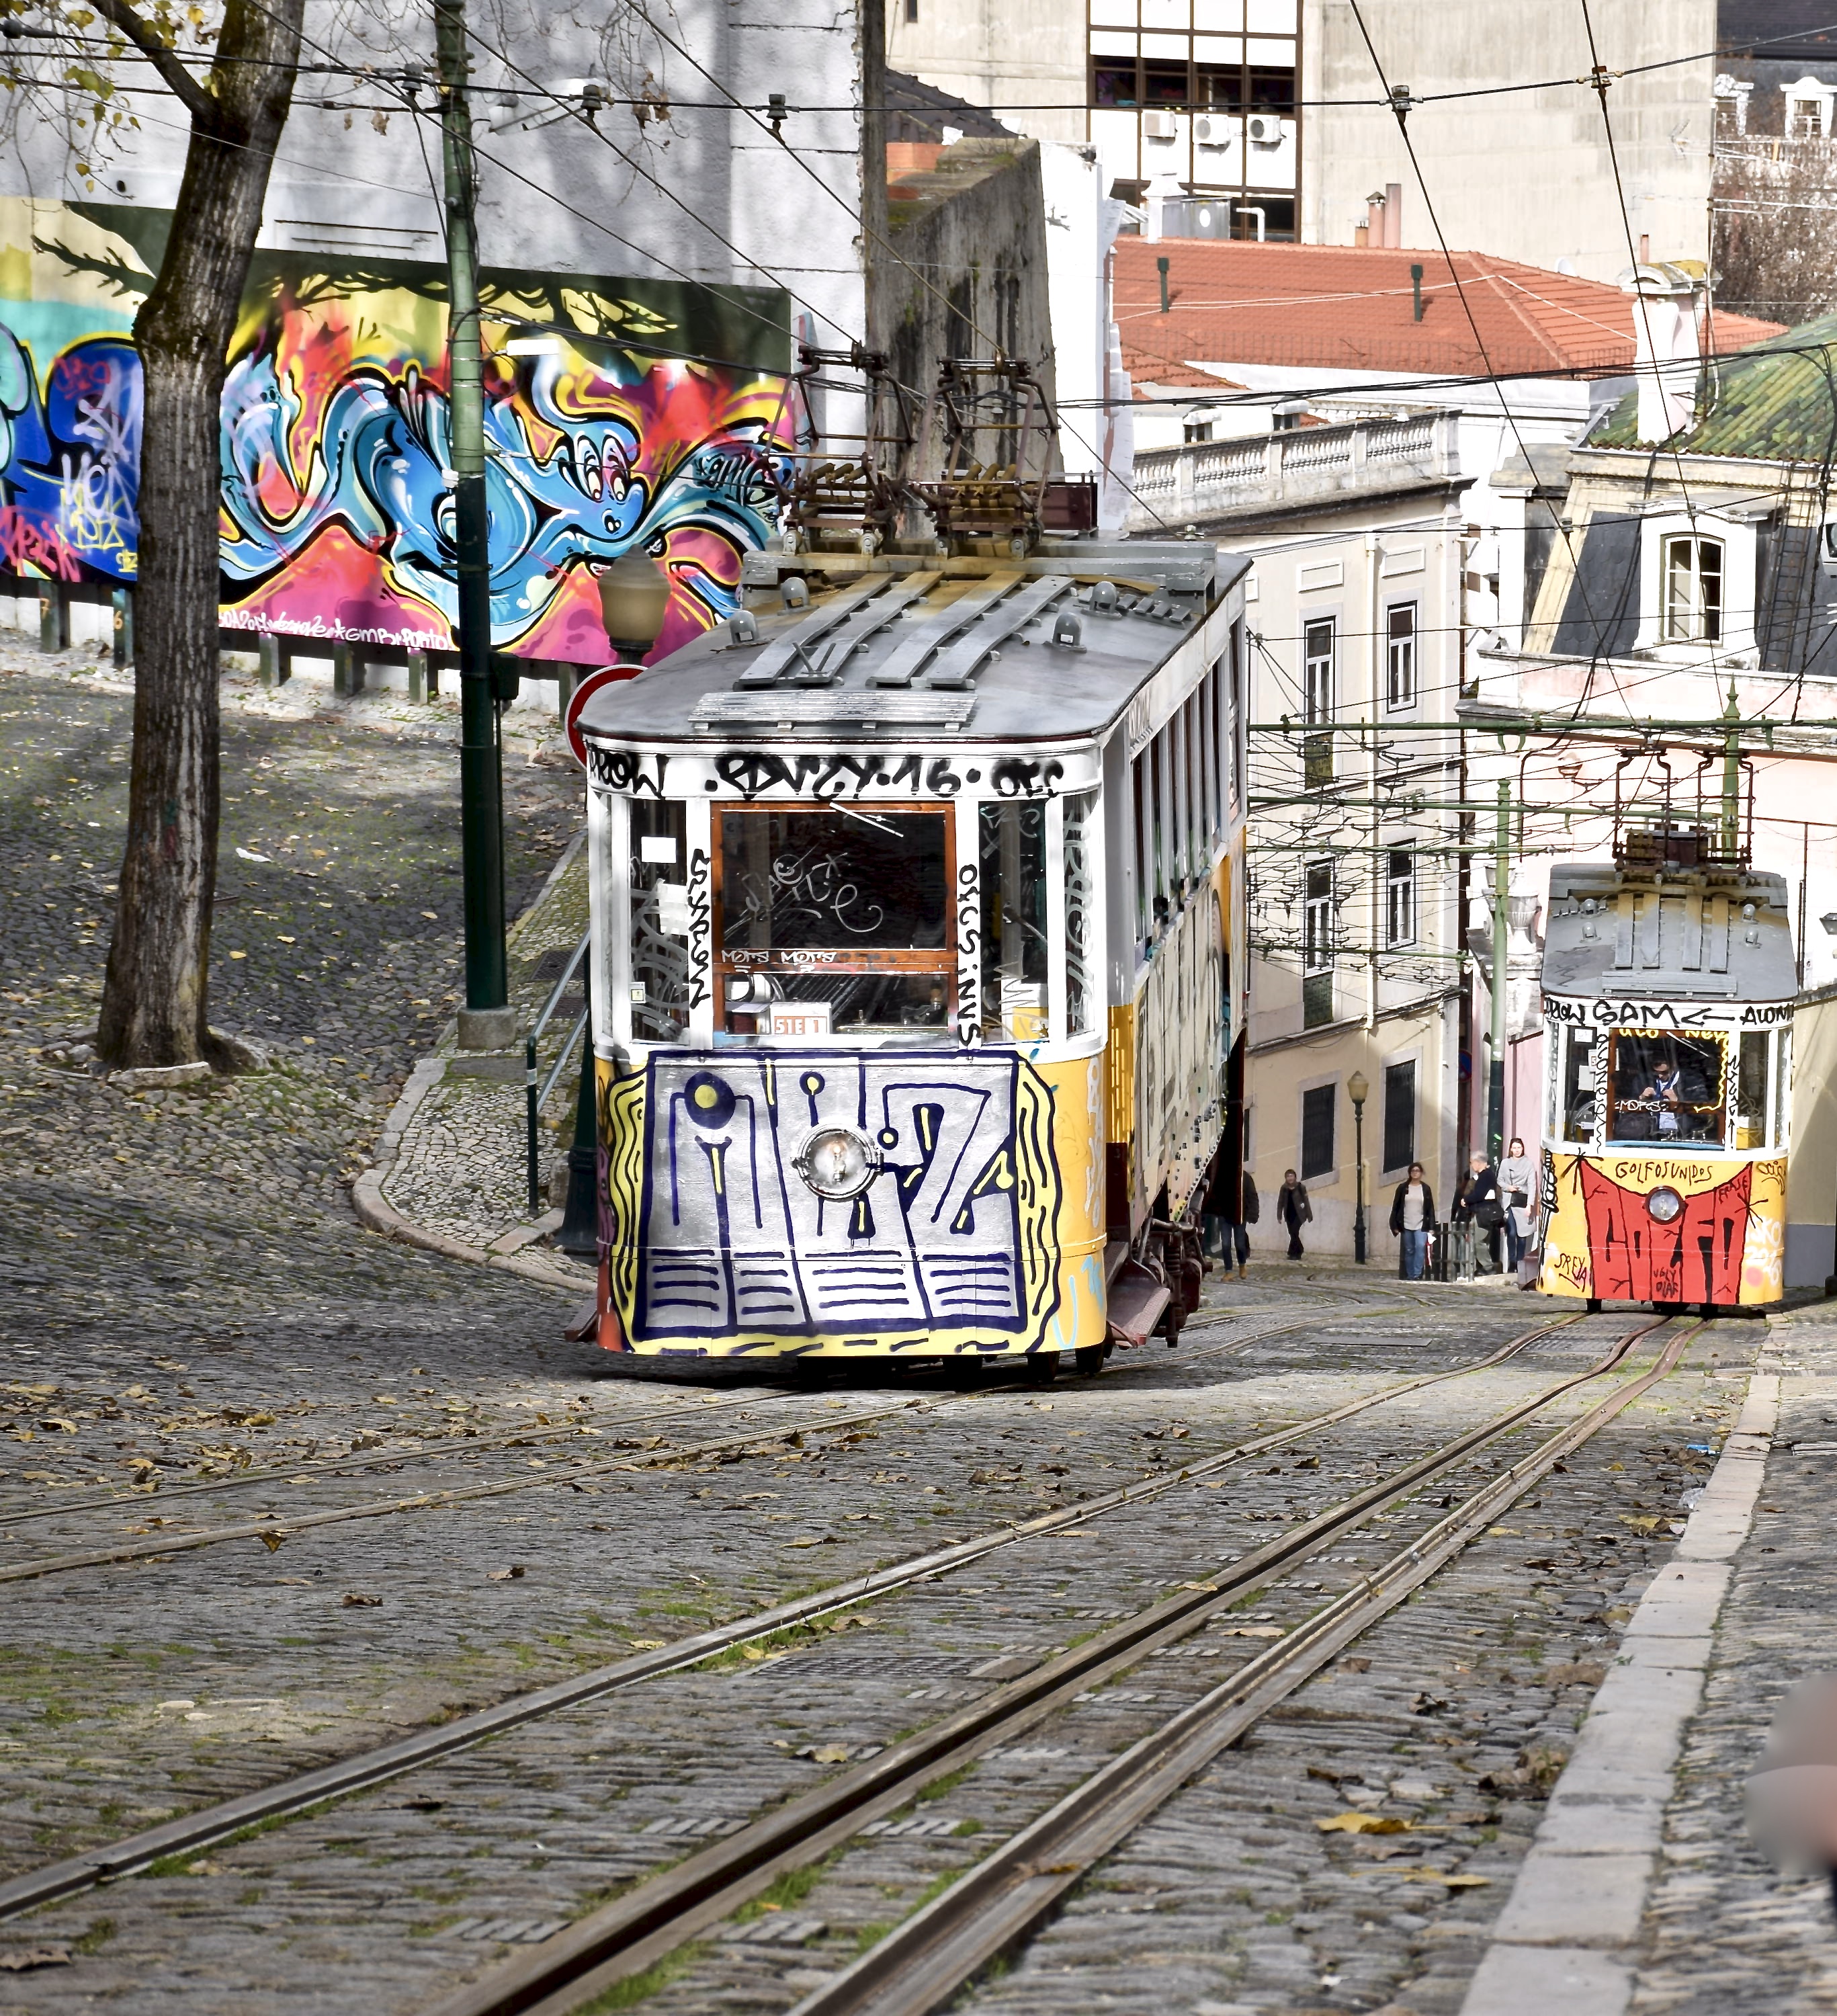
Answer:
x=607 y=676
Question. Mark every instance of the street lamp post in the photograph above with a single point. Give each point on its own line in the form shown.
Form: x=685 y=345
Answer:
x=1357 y=1089
x=634 y=599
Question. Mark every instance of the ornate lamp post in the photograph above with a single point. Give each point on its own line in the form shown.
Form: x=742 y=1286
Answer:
x=634 y=597
x=1357 y=1089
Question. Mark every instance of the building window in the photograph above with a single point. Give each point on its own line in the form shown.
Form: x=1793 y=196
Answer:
x=1316 y=675
x=1317 y=947
x=1195 y=430
x=1317 y=1130
x=1400 y=655
x=1691 y=584
x=912 y=10
x=1400 y=1116
x=1400 y=902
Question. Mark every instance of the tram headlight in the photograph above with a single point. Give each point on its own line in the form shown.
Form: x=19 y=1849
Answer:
x=1664 y=1204
x=837 y=1162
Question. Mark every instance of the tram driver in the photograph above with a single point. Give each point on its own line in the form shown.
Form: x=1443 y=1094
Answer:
x=1675 y=1096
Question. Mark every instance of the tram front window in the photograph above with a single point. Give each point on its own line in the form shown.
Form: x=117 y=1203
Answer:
x=1577 y=1117
x=833 y=920
x=1014 y=921
x=1666 y=1088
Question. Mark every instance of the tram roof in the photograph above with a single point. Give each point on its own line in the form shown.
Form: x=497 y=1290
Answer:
x=1620 y=935
x=1051 y=647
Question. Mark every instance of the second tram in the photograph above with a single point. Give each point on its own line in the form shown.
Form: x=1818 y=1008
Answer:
x=1669 y=985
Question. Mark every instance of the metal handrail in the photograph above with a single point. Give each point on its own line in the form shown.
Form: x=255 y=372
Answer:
x=535 y=1100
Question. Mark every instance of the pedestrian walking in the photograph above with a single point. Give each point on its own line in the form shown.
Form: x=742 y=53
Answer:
x=1518 y=1177
x=1412 y=1219
x=1477 y=1210
x=1229 y=1209
x=1293 y=1209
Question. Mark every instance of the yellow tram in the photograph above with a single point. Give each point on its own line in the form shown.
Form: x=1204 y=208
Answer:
x=912 y=896
x=1669 y=984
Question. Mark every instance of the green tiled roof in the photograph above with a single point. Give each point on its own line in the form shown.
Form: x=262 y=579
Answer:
x=1777 y=401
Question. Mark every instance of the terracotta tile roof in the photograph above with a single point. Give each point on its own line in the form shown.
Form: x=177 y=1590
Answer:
x=1232 y=303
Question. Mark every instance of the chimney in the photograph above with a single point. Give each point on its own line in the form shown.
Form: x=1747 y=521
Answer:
x=1374 y=224
x=1668 y=304
x=1393 y=214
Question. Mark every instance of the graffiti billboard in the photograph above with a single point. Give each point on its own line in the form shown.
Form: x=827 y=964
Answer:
x=336 y=456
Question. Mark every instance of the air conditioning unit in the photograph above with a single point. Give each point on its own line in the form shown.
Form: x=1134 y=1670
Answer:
x=1159 y=126
x=1210 y=131
x=1264 y=129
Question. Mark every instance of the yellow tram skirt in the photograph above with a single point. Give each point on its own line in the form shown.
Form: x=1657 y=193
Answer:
x=977 y=1227
x=1644 y=1227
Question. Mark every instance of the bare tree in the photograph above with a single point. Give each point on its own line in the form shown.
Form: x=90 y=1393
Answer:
x=1775 y=243
x=155 y=997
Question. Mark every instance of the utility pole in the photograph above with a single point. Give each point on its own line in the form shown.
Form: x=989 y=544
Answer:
x=486 y=1022
x=1501 y=894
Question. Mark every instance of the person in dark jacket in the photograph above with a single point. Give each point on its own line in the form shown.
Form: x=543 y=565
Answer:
x=1412 y=1219
x=1229 y=1209
x=1477 y=1207
x=1293 y=1210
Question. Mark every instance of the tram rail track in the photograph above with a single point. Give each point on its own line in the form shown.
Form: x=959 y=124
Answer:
x=278 y=1527
x=660 y=1914
x=206 y=1826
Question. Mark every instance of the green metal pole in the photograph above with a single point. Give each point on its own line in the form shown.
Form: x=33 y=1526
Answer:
x=1501 y=892
x=481 y=776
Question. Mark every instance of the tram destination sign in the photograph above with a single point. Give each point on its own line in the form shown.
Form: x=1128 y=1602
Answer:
x=1642 y=1012
x=798 y=772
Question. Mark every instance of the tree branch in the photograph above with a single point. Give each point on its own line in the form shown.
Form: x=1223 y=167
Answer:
x=179 y=81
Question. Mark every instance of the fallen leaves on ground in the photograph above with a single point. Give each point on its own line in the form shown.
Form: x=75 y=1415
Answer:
x=515 y=1572
x=354 y=1601
x=1363 y=1824
x=18 y=1960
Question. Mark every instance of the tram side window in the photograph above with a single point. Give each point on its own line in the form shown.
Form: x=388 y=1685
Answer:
x=1663 y=1087
x=659 y=920
x=1083 y=968
x=1014 y=944
x=830 y=919
x=1751 y=1102
x=1576 y=1122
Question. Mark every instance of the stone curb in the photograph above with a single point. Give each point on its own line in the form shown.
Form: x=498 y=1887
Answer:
x=374 y=1210
x=1568 y=1935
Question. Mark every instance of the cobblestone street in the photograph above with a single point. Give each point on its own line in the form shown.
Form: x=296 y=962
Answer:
x=280 y=1490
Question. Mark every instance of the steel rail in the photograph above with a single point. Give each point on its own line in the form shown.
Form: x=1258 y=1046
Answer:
x=273 y=1523
x=309 y=1468
x=198 y=1830
x=312 y=1467
x=919 y=1967
x=276 y=1527
x=611 y=1944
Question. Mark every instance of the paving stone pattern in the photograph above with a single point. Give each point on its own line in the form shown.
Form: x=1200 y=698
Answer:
x=538 y=1825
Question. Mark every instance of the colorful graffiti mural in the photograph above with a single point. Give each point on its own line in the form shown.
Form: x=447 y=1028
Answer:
x=1726 y=1245
x=336 y=511
x=716 y=1242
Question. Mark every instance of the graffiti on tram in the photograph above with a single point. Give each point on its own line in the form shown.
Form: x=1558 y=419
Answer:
x=717 y=1242
x=1727 y=1245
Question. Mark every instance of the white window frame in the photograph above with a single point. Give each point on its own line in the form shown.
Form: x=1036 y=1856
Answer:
x=1316 y=944
x=1403 y=649
x=1393 y=883
x=1737 y=539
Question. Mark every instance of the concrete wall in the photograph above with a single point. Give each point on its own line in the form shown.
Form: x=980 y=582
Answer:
x=968 y=272
x=1012 y=55
x=1811 y=1166
x=1525 y=176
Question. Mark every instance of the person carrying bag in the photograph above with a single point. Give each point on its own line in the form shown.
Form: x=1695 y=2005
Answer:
x=1518 y=1177
x=1412 y=1220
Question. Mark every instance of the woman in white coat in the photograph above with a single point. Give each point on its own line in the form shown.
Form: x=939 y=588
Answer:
x=1518 y=1180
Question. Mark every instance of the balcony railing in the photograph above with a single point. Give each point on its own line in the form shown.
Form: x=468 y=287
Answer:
x=1205 y=480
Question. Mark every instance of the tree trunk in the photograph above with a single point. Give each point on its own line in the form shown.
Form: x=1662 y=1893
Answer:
x=156 y=994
